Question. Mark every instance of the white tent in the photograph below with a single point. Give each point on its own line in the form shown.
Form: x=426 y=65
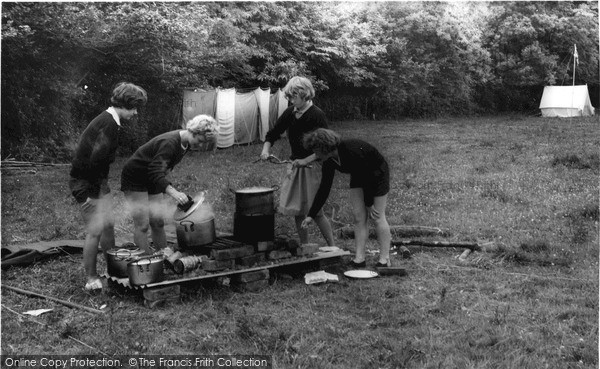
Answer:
x=243 y=117
x=566 y=101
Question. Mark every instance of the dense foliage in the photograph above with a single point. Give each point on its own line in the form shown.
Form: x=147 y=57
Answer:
x=367 y=59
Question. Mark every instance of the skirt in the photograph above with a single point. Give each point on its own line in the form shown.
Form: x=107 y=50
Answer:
x=298 y=189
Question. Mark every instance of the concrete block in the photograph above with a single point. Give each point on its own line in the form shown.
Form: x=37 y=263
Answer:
x=251 y=260
x=232 y=253
x=212 y=265
x=285 y=243
x=264 y=246
x=306 y=249
x=280 y=243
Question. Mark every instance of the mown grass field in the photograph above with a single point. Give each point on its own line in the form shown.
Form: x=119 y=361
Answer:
x=527 y=184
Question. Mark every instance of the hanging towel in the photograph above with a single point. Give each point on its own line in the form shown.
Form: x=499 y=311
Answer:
x=225 y=116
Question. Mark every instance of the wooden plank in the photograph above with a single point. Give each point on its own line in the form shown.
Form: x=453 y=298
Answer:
x=319 y=256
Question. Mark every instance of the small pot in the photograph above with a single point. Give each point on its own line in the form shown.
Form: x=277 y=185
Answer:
x=196 y=226
x=118 y=257
x=146 y=270
x=191 y=235
x=255 y=200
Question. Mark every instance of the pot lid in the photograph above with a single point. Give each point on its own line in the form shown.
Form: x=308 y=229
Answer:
x=255 y=189
x=198 y=200
x=152 y=259
x=124 y=252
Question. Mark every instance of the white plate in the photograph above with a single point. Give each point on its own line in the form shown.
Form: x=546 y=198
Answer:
x=361 y=274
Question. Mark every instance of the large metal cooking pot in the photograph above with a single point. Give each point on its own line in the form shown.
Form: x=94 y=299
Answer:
x=255 y=200
x=146 y=270
x=196 y=226
x=118 y=257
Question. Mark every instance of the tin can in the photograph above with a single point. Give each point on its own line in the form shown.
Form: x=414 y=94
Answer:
x=187 y=264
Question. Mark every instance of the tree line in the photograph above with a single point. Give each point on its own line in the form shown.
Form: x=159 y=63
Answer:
x=368 y=60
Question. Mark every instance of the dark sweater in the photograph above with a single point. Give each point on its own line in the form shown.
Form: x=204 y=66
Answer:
x=312 y=119
x=149 y=165
x=359 y=158
x=96 y=149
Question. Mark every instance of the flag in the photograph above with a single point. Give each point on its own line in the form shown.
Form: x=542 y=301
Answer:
x=575 y=55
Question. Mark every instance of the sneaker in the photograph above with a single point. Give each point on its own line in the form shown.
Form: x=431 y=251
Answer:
x=354 y=264
x=93 y=284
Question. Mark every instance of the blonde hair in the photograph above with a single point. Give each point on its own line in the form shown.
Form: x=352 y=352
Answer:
x=322 y=140
x=300 y=86
x=202 y=123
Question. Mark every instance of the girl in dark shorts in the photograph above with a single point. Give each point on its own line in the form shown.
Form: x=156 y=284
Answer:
x=144 y=177
x=369 y=186
x=93 y=155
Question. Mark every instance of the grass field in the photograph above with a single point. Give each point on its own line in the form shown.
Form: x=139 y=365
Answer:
x=527 y=184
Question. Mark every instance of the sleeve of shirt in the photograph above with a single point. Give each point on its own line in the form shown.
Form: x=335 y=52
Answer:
x=283 y=122
x=101 y=155
x=158 y=167
x=321 y=120
x=328 y=172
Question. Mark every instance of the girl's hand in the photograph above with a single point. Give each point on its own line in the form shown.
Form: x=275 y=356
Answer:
x=298 y=163
x=180 y=197
x=373 y=213
x=89 y=204
x=306 y=222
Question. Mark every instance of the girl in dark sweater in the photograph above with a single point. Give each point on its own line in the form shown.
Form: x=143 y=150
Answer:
x=300 y=182
x=93 y=155
x=369 y=186
x=144 y=177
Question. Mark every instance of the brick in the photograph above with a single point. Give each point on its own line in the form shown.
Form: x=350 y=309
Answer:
x=285 y=243
x=265 y=246
x=232 y=253
x=251 y=286
x=212 y=265
x=161 y=293
x=292 y=244
x=279 y=254
x=251 y=260
x=251 y=276
x=306 y=249
x=280 y=242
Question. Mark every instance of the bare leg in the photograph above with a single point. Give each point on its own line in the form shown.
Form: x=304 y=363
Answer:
x=325 y=228
x=107 y=239
x=382 y=229
x=138 y=205
x=99 y=230
x=302 y=233
x=157 y=221
x=361 y=231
